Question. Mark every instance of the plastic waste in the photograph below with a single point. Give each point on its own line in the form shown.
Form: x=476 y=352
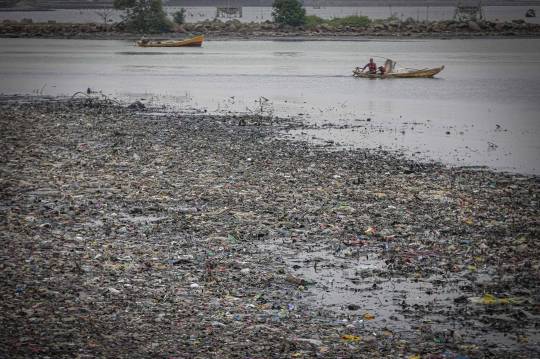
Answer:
x=147 y=233
x=491 y=299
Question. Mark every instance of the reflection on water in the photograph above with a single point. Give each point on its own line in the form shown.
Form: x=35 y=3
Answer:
x=485 y=83
x=127 y=53
x=287 y=54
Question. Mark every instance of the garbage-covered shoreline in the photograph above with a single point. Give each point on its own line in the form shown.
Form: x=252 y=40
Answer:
x=131 y=231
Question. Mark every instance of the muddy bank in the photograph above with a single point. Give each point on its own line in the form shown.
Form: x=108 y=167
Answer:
x=143 y=232
x=233 y=28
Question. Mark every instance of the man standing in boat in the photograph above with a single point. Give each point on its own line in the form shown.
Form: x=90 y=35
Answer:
x=372 y=67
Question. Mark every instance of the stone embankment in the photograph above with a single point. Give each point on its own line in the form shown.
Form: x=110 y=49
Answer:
x=217 y=28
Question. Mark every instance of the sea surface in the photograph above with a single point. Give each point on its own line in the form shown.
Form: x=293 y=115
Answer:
x=483 y=109
x=260 y=14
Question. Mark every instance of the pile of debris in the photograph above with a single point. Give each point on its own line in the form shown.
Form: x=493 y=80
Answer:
x=140 y=232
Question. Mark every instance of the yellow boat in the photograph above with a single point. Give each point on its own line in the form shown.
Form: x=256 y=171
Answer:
x=196 y=41
x=393 y=72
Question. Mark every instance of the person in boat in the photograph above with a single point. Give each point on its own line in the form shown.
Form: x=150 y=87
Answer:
x=372 y=67
x=382 y=70
x=144 y=40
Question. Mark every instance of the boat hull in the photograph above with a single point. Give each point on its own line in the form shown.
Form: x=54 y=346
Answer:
x=420 y=73
x=195 y=42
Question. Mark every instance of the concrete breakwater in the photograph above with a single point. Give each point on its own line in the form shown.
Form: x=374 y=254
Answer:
x=26 y=28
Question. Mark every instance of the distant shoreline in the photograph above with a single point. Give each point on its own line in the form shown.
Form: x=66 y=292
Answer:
x=289 y=38
x=234 y=29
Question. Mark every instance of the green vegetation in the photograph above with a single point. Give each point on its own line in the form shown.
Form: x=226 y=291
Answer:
x=289 y=12
x=179 y=17
x=312 y=21
x=450 y=22
x=392 y=17
x=144 y=15
x=353 y=20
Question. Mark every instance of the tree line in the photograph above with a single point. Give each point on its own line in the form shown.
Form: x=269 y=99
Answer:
x=148 y=15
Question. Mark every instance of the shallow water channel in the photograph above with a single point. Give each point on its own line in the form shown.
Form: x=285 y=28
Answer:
x=356 y=284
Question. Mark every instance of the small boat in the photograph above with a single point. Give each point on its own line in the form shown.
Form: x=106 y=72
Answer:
x=393 y=72
x=530 y=13
x=196 y=41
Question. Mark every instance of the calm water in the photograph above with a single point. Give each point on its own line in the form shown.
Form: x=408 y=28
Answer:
x=486 y=83
x=258 y=14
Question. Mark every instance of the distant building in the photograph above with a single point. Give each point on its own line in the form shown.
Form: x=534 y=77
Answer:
x=344 y=3
x=81 y=4
x=357 y=3
x=57 y=4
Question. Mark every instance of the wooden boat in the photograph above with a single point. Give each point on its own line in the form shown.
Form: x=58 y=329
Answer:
x=196 y=41
x=402 y=73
